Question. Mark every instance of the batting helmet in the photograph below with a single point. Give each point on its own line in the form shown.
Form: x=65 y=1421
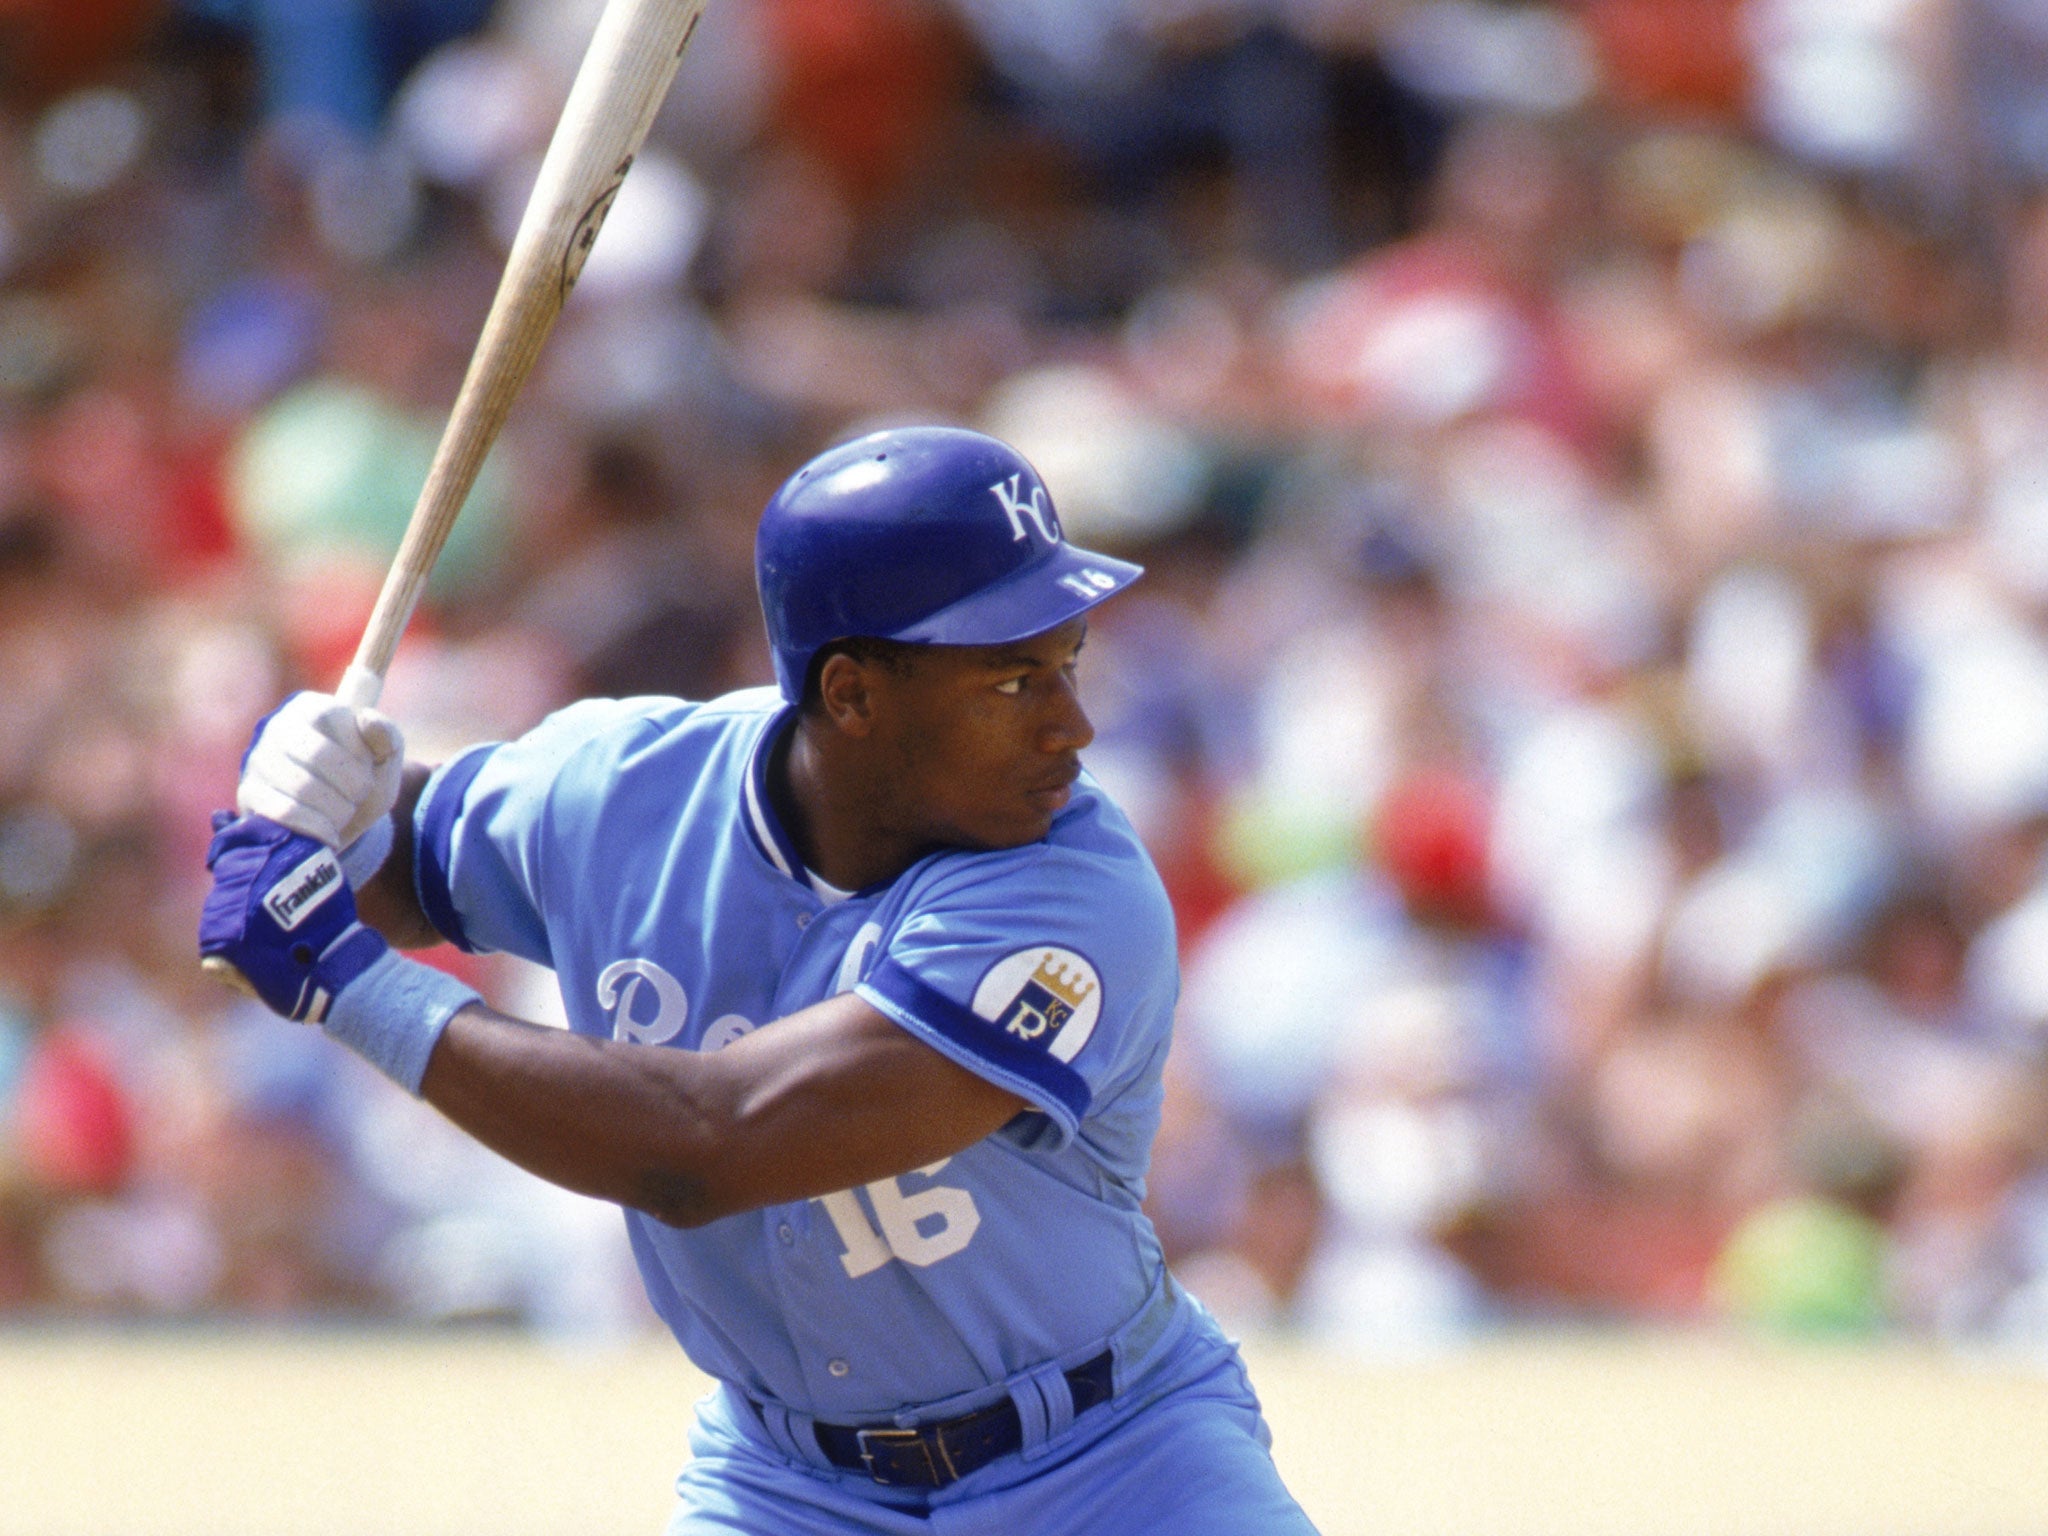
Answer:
x=933 y=535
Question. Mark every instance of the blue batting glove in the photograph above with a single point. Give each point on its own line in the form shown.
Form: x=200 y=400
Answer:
x=281 y=913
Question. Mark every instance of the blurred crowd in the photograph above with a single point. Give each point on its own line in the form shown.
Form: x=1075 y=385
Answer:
x=1589 y=702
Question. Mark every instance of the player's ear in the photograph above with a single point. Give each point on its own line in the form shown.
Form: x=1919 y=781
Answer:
x=846 y=693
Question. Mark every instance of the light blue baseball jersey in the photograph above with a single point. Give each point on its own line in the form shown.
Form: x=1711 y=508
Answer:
x=631 y=845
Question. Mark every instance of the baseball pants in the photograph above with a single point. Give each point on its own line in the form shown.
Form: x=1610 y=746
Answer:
x=1193 y=1462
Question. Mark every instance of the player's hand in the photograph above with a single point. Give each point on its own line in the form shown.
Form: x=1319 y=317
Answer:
x=281 y=913
x=327 y=771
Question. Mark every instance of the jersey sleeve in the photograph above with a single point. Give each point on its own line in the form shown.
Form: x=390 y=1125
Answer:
x=1050 y=971
x=479 y=829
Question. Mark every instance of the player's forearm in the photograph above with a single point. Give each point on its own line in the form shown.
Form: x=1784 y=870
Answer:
x=626 y=1124
x=388 y=901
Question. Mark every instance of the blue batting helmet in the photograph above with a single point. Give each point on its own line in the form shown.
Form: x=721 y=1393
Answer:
x=933 y=535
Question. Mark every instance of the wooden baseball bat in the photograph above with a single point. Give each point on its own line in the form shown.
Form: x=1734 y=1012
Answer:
x=619 y=87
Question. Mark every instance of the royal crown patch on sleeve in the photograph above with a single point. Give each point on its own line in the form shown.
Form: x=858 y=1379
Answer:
x=1043 y=996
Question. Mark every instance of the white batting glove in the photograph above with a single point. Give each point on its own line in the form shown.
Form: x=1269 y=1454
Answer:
x=322 y=768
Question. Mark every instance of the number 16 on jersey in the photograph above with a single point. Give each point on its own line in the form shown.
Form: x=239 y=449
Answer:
x=919 y=1228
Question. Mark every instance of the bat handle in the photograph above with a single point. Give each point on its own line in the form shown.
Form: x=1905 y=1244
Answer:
x=360 y=688
x=224 y=970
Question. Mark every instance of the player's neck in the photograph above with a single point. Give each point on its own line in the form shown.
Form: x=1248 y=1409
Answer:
x=832 y=815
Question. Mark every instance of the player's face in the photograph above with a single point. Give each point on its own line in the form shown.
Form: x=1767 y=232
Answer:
x=986 y=740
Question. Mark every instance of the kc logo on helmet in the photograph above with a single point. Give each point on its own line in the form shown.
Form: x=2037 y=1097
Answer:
x=1010 y=493
x=1043 y=996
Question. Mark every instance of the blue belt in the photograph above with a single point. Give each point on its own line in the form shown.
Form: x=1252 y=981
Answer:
x=933 y=1455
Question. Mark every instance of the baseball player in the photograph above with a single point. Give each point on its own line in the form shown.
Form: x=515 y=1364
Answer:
x=870 y=987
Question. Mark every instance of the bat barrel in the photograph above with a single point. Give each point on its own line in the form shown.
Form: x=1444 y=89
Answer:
x=619 y=87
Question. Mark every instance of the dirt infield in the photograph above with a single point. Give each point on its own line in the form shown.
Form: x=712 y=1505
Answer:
x=233 y=1434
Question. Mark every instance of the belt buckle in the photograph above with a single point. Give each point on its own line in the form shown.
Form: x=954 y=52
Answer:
x=887 y=1442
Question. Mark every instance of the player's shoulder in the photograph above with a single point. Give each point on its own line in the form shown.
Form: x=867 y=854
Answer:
x=601 y=749
x=663 y=713
x=622 y=729
x=1091 y=866
x=1053 y=962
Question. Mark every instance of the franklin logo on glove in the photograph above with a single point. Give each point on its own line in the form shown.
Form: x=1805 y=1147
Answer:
x=281 y=914
x=299 y=895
